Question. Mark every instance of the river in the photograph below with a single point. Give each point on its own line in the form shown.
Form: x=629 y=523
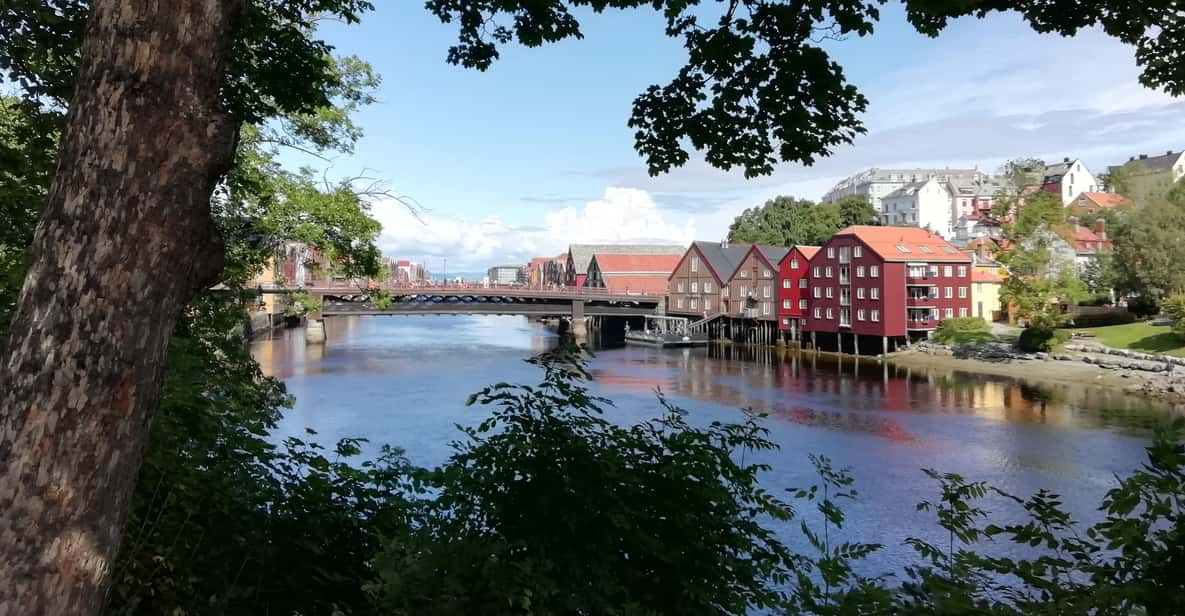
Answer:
x=404 y=380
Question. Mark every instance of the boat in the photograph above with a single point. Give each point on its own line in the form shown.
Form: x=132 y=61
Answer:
x=662 y=332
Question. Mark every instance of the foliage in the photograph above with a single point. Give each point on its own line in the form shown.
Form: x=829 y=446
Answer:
x=1042 y=339
x=1101 y=274
x=1103 y=319
x=1143 y=306
x=786 y=221
x=381 y=299
x=856 y=210
x=224 y=521
x=1151 y=247
x=1044 y=280
x=1143 y=337
x=1174 y=308
x=758 y=85
x=547 y=507
x=963 y=330
x=1022 y=172
x=301 y=304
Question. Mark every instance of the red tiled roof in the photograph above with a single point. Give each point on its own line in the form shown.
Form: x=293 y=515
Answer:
x=995 y=242
x=887 y=242
x=808 y=251
x=656 y=284
x=620 y=264
x=1086 y=240
x=978 y=275
x=1104 y=200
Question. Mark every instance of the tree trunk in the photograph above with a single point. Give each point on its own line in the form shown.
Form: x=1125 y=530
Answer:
x=125 y=240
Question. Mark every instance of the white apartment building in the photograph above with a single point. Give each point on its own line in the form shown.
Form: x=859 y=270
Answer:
x=875 y=184
x=1069 y=179
x=925 y=204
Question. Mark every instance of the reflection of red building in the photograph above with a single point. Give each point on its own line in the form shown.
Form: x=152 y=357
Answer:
x=794 y=273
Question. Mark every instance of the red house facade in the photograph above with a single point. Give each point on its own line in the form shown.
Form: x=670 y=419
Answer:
x=794 y=289
x=870 y=286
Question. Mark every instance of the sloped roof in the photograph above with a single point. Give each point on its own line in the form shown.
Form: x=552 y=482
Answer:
x=1164 y=161
x=637 y=284
x=723 y=258
x=1105 y=200
x=905 y=191
x=582 y=254
x=1086 y=241
x=978 y=275
x=633 y=263
x=773 y=254
x=887 y=242
x=806 y=251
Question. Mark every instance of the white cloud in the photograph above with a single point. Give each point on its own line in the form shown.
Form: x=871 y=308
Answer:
x=621 y=215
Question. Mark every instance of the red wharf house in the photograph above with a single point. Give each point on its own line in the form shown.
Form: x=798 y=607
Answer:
x=894 y=283
x=752 y=290
x=793 y=301
x=698 y=284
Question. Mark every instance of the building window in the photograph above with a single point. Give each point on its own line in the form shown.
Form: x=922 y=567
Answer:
x=935 y=314
x=859 y=271
x=857 y=252
x=818 y=292
x=707 y=287
x=950 y=292
x=802 y=322
x=744 y=291
x=679 y=288
x=860 y=293
x=724 y=291
x=933 y=292
x=829 y=271
x=950 y=313
x=785 y=304
x=794 y=263
x=802 y=304
x=948 y=271
x=694 y=263
x=962 y=312
x=962 y=292
x=744 y=273
x=874 y=271
x=802 y=283
x=876 y=315
x=902 y=248
x=845 y=316
x=874 y=292
x=695 y=287
x=786 y=322
x=860 y=314
x=818 y=313
x=830 y=291
x=815 y=271
x=766 y=274
x=830 y=252
x=787 y=283
x=962 y=271
x=830 y=314
x=917 y=271
x=765 y=307
x=707 y=303
x=765 y=290
x=679 y=302
x=934 y=271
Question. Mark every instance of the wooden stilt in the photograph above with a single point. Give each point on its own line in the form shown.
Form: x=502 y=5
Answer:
x=884 y=345
x=856 y=344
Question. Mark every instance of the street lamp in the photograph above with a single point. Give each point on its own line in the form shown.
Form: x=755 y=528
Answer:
x=445 y=273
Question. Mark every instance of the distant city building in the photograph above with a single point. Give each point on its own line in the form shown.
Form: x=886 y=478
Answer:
x=975 y=198
x=506 y=274
x=970 y=228
x=1088 y=202
x=580 y=255
x=1147 y=178
x=1068 y=179
x=405 y=271
x=876 y=183
x=547 y=271
x=926 y=204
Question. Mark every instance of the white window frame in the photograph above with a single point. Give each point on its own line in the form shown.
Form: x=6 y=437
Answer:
x=830 y=314
x=765 y=292
x=830 y=252
x=787 y=283
x=950 y=313
x=962 y=292
x=874 y=293
x=949 y=292
x=857 y=251
x=860 y=314
x=794 y=263
x=962 y=271
x=693 y=303
x=694 y=263
x=679 y=289
x=874 y=271
x=694 y=287
x=829 y=272
x=766 y=273
x=962 y=312
x=948 y=271
x=765 y=308
x=859 y=271
x=875 y=315
x=708 y=286
x=859 y=292
x=818 y=312
x=818 y=292
x=802 y=283
x=679 y=302
x=830 y=292
x=802 y=304
x=786 y=304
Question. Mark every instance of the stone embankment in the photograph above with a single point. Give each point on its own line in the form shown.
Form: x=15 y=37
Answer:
x=1156 y=376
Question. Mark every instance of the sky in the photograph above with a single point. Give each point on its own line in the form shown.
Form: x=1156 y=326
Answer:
x=534 y=154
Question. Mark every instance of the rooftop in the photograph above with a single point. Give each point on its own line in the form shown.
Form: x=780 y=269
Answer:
x=1103 y=200
x=582 y=253
x=905 y=244
x=611 y=263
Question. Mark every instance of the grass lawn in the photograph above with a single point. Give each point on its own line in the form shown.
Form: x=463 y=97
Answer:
x=1140 y=337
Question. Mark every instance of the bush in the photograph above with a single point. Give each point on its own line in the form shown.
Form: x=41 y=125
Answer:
x=1103 y=319
x=1098 y=299
x=963 y=330
x=1174 y=308
x=1143 y=306
x=1037 y=339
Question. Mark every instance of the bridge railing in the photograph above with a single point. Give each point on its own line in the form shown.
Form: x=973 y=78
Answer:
x=362 y=286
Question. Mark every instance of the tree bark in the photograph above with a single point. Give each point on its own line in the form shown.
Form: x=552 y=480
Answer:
x=125 y=240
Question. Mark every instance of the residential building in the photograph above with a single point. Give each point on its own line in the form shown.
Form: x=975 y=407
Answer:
x=752 y=291
x=985 y=295
x=506 y=275
x=698 y=284
x=580 y=255
x=926 y=204
x=974 y=198
x=409 y=272
x=1088 y=202
x=876 y=183
x=1068 y=179
x=1088 y=243
x=891 y=283
x=1148 y=178
x=631 y=274
x=972 y=227
x=794 y=293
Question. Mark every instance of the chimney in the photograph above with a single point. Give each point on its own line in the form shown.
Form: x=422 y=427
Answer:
x=1143 y=157
x=1100 y=228
x=1132 y=159
x=1066 y=159
x=1168 y=153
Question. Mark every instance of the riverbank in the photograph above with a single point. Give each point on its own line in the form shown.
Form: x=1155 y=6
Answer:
x=1069 y=368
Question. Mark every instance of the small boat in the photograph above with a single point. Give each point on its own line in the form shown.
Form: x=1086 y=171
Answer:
x=666 y=332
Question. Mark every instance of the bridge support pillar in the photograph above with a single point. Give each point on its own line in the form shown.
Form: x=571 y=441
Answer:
x=314 y=331
x=579 y=327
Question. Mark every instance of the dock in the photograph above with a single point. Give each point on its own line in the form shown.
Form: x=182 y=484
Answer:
x=663 y=332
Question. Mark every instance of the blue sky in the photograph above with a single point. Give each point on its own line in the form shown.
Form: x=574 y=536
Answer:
x=535 y=153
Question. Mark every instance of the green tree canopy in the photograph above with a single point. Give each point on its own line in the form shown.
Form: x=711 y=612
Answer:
x=856 y=210
x=786 y=221
x=1150 y=247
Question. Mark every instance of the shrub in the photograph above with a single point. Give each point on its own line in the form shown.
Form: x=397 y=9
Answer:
x=1103 y=319
x=1143 y=306
x=963 y=330
x=1174 y=308
x=1038 y=339
x=1098 y=299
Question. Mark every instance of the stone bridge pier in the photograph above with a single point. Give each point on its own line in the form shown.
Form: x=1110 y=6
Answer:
x=579 y=328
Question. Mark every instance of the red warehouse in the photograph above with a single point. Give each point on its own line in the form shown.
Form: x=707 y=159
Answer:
x=875 y=287
x=793 y=301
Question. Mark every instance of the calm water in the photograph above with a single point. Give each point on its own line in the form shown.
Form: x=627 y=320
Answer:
x=404 y=380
